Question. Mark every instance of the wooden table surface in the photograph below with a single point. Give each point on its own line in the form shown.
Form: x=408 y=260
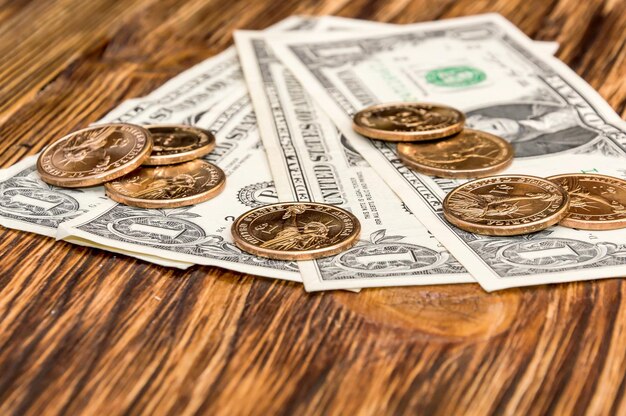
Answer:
x=83 y=331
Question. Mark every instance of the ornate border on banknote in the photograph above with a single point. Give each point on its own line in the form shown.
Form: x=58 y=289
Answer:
x=309 y=58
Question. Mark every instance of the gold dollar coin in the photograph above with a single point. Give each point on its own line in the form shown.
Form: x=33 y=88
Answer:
x=506 y=205
x=168 y=186
x=173 y=143
x=94 y=155
x=296 y=231
x=408 y=122
x=468 y=154
x=597 y=202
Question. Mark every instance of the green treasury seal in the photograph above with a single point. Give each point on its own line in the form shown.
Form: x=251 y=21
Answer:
x=455 y=76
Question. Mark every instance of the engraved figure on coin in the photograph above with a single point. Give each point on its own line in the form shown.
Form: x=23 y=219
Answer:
x=476 y=207
x=416 y=118
x=293 y=237
x=173 y=142
x=178 y=186
x=584 y=200
x=462 y=152
x=533 y=129
x=177 y=139
x=93 y=143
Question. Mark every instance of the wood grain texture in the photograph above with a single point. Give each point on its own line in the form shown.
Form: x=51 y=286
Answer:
x=83 y=331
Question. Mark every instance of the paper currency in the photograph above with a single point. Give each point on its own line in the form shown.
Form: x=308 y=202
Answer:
x=312 y=161
x=211 y=94
x=395 y=248
x=488 y=68
x=29 y=204
x=212 y=97
x=216 y=98
x=200 y=233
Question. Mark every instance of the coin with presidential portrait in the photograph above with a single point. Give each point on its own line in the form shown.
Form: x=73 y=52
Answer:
x=176 y=143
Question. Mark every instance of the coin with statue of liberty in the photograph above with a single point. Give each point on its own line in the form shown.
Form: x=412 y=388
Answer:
x=506 y=205
x=296 y=231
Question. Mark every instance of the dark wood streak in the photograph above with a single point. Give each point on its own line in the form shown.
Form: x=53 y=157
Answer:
x=83 y=331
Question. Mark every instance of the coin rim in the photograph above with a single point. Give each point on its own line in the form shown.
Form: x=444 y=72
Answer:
x=504 y=231
x=394 y=136
x=460 y=173
x=168 y=203
x=107 y=176
x=174 y=158
x=594 y=225
x=336 y=248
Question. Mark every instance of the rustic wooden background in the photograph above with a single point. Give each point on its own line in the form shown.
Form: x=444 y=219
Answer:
x=84 y=331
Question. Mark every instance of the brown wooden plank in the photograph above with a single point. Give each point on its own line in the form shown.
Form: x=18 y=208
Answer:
x=83 y=331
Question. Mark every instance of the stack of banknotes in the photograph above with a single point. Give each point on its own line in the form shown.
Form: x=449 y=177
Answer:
x=281 y=108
